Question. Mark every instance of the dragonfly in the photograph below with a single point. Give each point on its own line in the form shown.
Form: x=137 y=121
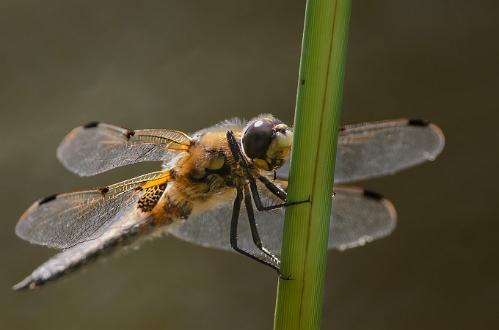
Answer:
x=222 y=187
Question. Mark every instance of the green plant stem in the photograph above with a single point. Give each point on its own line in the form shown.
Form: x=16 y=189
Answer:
x=317 y=118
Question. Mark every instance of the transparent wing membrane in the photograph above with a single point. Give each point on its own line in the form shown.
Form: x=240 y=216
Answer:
x=357 y=217
x=97 y=147
x=63 y=220
x=90 y=223
x=131 y=220
x=375 y=149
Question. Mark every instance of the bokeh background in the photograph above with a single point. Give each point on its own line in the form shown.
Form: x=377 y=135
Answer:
x=189 y=64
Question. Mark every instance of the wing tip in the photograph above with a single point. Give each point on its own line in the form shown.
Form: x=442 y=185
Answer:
x=441 y=140
x=383 y=200
x=393 y=213
x=436 y=131
x=66 y=148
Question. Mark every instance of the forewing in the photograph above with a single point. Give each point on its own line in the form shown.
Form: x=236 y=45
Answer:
x=63 y=220
x=357 y=217
x=375 y=149
x=98 y=147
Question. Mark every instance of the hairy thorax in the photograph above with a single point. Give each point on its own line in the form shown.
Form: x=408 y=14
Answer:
x=207 y=172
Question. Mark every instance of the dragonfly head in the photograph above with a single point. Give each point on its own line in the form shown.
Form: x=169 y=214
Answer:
x=266 y=142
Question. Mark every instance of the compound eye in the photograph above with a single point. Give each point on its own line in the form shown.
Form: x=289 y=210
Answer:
x=257 y=138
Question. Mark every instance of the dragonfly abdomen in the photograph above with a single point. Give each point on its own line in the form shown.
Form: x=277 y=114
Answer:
x=86 y=252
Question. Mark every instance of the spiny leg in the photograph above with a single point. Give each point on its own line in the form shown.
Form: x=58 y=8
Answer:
x=233 y=232
x=234 y=148
x=241 y=160
x=273 y=188
x=254 y=230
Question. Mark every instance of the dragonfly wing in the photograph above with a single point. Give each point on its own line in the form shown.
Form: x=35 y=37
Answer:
x=375 y=149
x=358 y=217
x=211 y=227
x=64 y=220
x=98 y=147
x=132 y=220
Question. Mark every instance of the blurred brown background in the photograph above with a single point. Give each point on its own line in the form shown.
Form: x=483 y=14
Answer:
x=189 y=64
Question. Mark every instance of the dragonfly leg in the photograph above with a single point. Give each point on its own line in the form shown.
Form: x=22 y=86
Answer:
x=273 y=188
x=235 y=149
x=276 y=190
x=233 y=233
x=254 y=230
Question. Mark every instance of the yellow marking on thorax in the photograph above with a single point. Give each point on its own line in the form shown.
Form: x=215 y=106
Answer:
x=207 y=153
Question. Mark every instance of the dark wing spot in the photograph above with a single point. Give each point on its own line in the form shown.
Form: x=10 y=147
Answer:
x=104 y=191
x=91 y=124
x=372 y=195
x=129 y=134
x=418 y=122
x=302 y=82
x=47 y=199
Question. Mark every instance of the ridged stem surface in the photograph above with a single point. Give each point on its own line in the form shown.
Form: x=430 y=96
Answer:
x=317 y=120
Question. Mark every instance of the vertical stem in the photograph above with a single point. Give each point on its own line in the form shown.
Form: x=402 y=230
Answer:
x=317 y=118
